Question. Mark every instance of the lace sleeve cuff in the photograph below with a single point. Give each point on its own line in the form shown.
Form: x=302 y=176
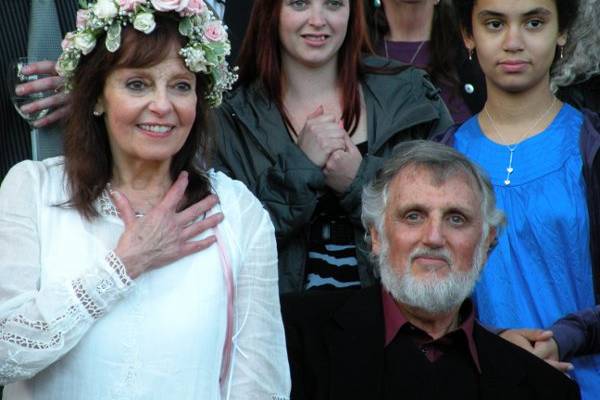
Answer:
x=114 y=262
x=98 y=292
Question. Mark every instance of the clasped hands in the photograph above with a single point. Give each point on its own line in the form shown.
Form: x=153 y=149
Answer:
x=325 y=142
x=57 y=103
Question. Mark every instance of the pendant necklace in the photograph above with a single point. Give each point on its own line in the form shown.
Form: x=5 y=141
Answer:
x=385 y=46
x=512 y=147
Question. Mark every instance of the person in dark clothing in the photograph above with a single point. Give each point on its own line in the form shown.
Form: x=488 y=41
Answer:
x=236 y=17
x=425 y=34
x=431 y=217
x=15 y=145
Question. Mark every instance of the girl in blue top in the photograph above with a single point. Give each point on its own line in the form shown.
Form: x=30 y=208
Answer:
x=538 y=153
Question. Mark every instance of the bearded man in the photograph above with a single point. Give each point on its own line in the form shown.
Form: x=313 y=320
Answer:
x=431 y=218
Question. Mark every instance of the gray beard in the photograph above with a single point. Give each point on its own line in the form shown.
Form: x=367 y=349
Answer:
x=431 y=294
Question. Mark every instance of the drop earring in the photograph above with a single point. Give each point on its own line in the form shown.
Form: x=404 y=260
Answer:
x=561 y=49
x=98 y=111
x=470 y=54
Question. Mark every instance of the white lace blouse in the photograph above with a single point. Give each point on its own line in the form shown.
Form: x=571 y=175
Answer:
x=74 y=326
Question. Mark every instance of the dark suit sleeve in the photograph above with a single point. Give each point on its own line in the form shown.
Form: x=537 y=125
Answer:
x=511 y=372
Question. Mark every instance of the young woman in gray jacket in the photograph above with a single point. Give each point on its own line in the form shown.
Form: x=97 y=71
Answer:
x=310 y=123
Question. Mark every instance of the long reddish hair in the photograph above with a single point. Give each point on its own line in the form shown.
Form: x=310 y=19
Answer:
x=260 y=57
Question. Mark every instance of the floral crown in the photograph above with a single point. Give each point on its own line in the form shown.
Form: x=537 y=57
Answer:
x=204 y=52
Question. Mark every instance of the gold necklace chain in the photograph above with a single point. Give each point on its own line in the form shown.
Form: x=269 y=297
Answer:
x=512 y=147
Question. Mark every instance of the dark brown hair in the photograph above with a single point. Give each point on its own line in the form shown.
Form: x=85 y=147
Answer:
x=260 y=57
x=566 y=9
x=88 y=158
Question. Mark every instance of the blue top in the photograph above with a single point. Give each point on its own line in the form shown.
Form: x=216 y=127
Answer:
x=541 y=269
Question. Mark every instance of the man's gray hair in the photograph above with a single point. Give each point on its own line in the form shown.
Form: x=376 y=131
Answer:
x=443 y=162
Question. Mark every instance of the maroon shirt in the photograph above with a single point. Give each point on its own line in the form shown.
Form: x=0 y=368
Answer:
x=433 y=349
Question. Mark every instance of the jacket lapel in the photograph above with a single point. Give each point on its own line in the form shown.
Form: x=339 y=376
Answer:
x=355 y=340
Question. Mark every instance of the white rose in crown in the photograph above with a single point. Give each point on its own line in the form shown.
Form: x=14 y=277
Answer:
x=169 y=5
x=195 y=60
x=106 y=9
x=144 y=22
x=85 y=42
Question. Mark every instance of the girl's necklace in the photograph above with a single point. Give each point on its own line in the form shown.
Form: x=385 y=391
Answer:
x=512 y=147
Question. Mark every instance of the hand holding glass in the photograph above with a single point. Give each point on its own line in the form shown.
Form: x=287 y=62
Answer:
x=33 y=101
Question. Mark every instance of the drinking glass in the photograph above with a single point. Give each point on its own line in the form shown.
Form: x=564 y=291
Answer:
x=16 y=77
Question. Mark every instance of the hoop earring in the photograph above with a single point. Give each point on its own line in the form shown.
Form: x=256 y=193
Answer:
x=376 y=3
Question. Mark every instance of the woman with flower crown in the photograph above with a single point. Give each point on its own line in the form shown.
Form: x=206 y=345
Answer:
x=127 y=269
x=311 y=122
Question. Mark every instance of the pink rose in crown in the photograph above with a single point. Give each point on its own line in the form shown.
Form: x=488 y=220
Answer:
x=169 y=5
x=82 y=18
x=194 y=7
x=214 y=31
x=130 y=5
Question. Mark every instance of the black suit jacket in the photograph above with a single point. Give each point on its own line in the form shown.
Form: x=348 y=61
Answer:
x=15 y=141
x=336 y=350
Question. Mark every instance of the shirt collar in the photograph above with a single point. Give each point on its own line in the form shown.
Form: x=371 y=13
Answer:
x=394 y=320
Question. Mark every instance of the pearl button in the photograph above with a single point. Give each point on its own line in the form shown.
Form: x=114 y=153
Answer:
x=469 y=88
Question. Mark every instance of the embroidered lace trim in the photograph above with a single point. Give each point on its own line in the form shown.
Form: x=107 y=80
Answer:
x=71 y=314
x=94 y=298
x=105 y=205
x=92 y=308
x=115 y=263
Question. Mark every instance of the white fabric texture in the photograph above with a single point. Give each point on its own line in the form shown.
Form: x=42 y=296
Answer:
x=73 y=326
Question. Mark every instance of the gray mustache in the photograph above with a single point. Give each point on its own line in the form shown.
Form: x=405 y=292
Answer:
x=442 y=254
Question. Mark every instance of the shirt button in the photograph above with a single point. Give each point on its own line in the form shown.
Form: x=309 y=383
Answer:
x=469 y=88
